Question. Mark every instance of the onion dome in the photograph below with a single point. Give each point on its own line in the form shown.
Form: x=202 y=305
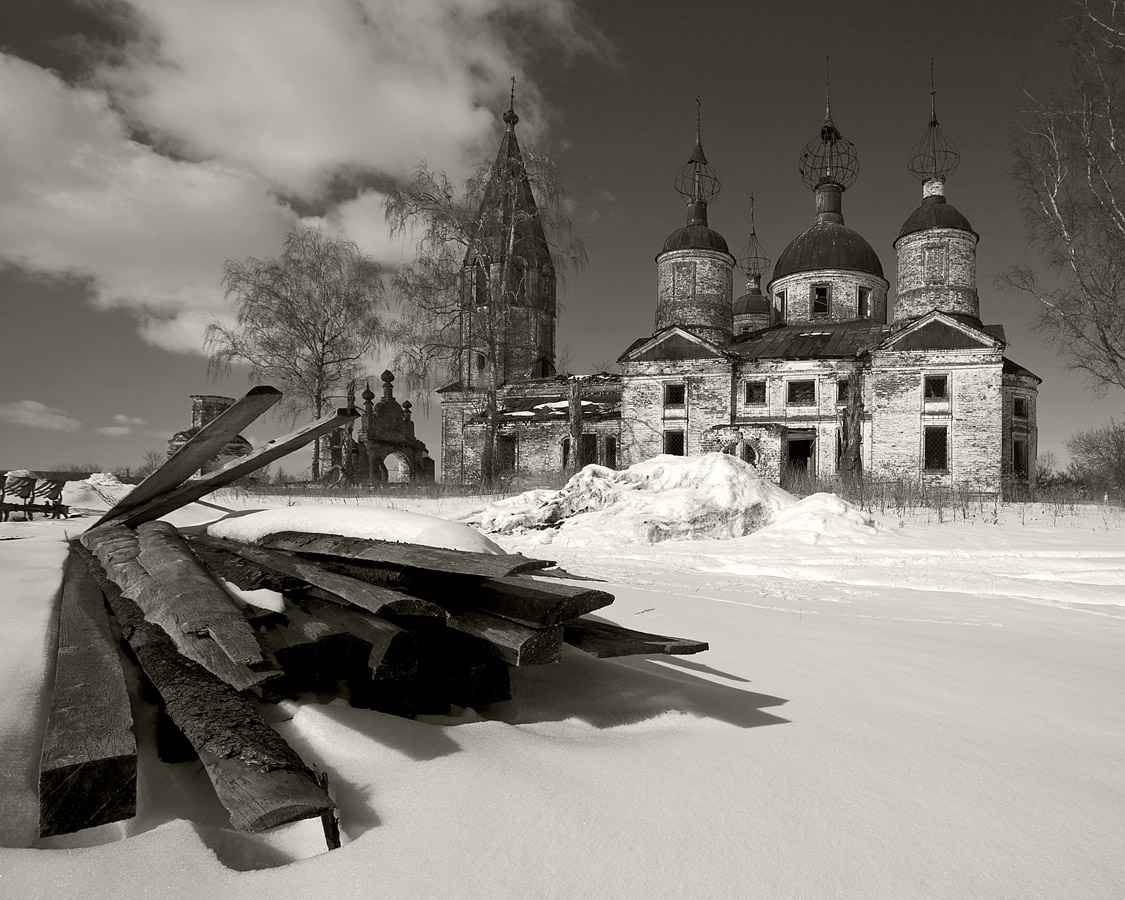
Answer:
x=828 y=245
x=932 y=160
x=698 y=184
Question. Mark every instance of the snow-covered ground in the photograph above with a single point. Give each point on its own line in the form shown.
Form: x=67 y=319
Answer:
x=887 y=711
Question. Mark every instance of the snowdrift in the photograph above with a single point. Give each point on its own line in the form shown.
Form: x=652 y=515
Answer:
x=100 y=491
x=359 y=522
x=664 y=498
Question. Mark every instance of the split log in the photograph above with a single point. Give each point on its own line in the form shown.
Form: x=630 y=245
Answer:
x=313 y=653
x=536 y=603
x=370 y=597
x=88 y=769
x=155 y=569
x=605 y=640
x=404 y=556
x=515 y=644
x=203 y=446
x=257 y=776
x=387 y=650
x=195 y=488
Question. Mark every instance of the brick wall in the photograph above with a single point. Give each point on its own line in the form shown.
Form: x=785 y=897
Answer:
x=843 y=285
x=694 y=290
x=937 y=269
x=1020 y=428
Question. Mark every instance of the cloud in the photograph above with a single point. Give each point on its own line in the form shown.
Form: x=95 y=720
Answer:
x=115 y=430
x=121 y=419
x=33 y=414
x=191 y=143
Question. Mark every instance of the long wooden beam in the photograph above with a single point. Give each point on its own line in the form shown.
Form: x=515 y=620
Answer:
x=195 y=488
x=88 y=769
x=257 y=776
x=203 y=446
x=604 y=640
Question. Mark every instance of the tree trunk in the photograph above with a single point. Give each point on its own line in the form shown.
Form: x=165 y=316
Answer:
x=851 y=463
x=574 y=397
x=319 y=405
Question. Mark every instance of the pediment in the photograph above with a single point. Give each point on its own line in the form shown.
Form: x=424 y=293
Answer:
x=674 y=344
x=940 y=333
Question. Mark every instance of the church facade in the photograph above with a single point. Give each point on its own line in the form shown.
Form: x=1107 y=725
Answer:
x=826 y=372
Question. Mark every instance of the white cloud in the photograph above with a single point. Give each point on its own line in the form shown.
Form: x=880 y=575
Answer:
x=33 y=414
x=115 y=430
x=121 y=419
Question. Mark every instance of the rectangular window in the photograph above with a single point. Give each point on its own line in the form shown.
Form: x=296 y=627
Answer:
x=933 y=263
x=683 y=279
x=755 y=393
x=820 y=295
x=1019 y=408
x=588 y=450
x=610 y=452
x=1019 y=458
x=673 y=395
x=674 y=443
x=842 y=390
x=936 y=387
x=863 y=303
x=801 y=393
x=506 y=454
x=780 y=312
x=936 y=450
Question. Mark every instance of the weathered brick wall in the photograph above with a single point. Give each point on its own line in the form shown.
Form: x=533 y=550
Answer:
x=1020 y=428
x=645 y=418
x=972 y=414
x=456 y=468
x=751 y=322
x=950 y=287
x=843 y=302
x=694 y=290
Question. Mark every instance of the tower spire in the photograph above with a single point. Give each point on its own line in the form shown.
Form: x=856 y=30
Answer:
x=696 y=181
x=754 y=259
x=510 y=117
x=934 y=157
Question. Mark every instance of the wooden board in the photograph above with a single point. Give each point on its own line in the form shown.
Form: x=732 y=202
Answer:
x=515 y=644
x=388 y=650
x=257 y=776
x=88 y=768
x=605 y=640
x=407 y=556
x=195 y=488
x=537 y=603
x=204 y=446
x=182 y=599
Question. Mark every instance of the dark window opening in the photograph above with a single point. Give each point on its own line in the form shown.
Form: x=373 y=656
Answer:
x=936 y=450
x=565 y=453
x=842 y=390
x=755 y=393
x=1019 y=458
x=505 y=454
x=801 y=393
x=673 y=395
x=863 y=305
x=936 y=387
x=779 y=306
x=747 y=453
x=587 y=450
x=480 y=362
x=1019 y=409
x=611 y=452
x=674 y=443
x=820 y=300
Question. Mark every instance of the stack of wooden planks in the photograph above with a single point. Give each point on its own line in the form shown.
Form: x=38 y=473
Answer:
x=394 y=627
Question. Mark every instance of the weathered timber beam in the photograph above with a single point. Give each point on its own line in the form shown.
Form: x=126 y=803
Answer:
x=156 y=571
x=314 y=654
x=257 y=776
x=88 y=768
x=477 y=679
x=195 y=488
x=515 y=644
x=605 y=640
x=370 y=597
x=401 y=555
x=203 y=446
x=390 y=651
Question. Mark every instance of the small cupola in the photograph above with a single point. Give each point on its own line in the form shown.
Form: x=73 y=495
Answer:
x=752 y=309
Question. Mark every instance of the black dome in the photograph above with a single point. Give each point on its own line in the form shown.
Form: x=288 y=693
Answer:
x=695 y=237
x=828 y=245
x=935 y=212
x=751 y=303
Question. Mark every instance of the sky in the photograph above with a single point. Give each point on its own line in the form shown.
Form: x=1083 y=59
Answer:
x=145 y=142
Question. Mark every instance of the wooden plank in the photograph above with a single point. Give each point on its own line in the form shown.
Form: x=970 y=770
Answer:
x=182 y=599
x=515 y=644
x=194 y=488
x=257 y=776
x=88 y=768
x=388 y=650
x=605 y=640
x=537 y=603
x=371 y=597
x=405 y=556
x=313 y=653
x=204 y=446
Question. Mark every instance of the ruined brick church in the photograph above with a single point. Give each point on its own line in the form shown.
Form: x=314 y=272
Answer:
x=823 y=372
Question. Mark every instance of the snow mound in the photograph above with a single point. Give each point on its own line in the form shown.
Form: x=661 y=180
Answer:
x=664 y=498
x=104 y=479
x=821 y=516
x=361 y=522
x=100 y=491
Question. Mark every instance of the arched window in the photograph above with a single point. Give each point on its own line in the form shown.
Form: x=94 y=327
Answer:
x=565 y=453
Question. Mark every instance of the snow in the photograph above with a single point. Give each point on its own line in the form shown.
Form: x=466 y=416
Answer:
x=931 y=709
x=664 y=498
x=360 y=522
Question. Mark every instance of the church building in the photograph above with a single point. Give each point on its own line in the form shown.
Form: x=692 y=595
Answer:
x=825 y=372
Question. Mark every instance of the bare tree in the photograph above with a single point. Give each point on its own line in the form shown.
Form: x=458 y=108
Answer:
x=1069 y=170
x=1098 y=458
x=150 y=462
x=468 y=312
x=306 y=320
